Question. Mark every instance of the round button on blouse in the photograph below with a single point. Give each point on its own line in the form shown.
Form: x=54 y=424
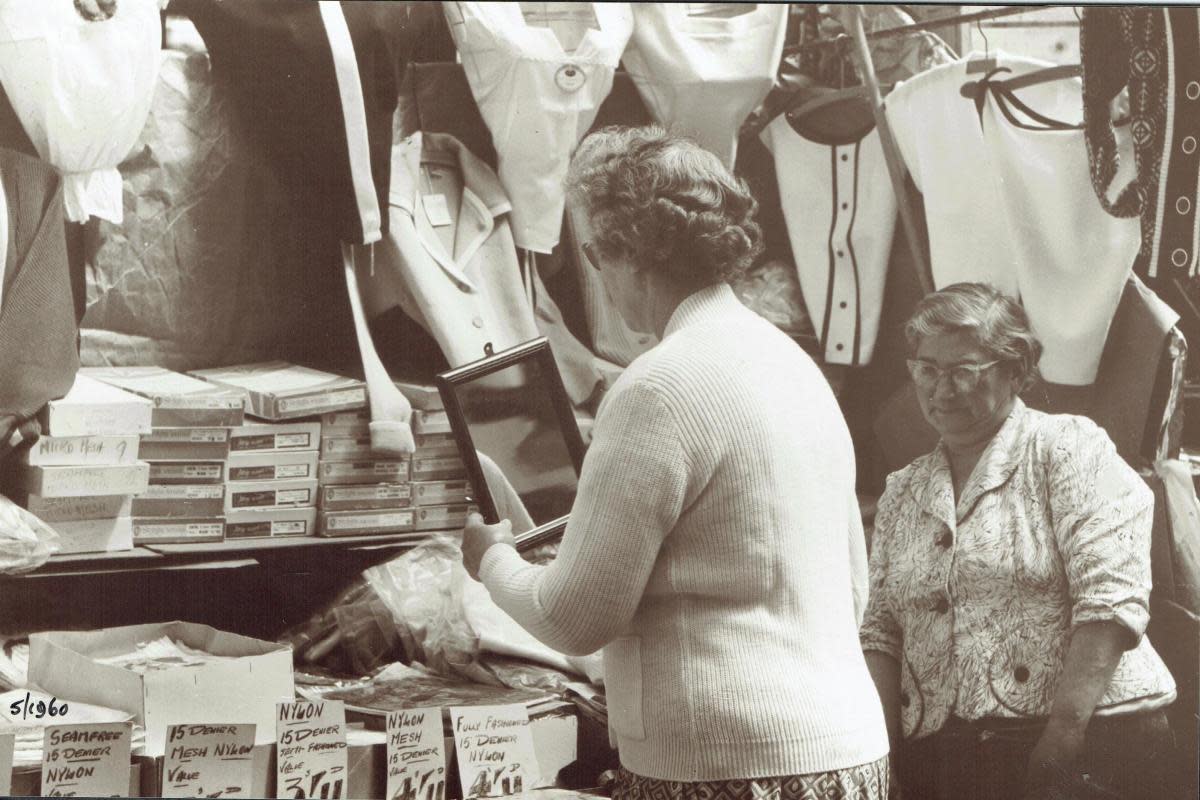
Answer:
x=845 y=157
x=1188 y=145
x=1179 y=256
x=842 y=304
x=570 y=78
x=942 y=605
x=1193 y=90
x=945 y=540
x=1021 y=674
x=477 y=322
x=1183 y=206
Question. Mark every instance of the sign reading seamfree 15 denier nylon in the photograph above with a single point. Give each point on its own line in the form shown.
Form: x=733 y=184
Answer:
x=495 y=750
x=311 y=750
x=416 y=755
x=208 y=761
x=89 y=760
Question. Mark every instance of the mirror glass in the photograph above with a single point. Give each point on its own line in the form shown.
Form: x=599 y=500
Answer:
x=522 y=450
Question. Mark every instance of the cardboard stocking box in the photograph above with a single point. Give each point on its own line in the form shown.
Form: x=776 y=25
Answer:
x=241 y=689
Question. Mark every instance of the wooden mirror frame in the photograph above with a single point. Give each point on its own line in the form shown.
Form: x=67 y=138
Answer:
x=537 y=352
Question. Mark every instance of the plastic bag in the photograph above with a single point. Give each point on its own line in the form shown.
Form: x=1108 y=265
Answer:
x=25 y=541
x=81 y=87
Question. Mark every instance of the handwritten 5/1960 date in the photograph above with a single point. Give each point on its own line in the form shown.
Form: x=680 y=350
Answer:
x=27 y=707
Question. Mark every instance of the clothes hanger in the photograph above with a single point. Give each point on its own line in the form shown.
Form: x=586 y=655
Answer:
x=826 y=99
x=985 y=64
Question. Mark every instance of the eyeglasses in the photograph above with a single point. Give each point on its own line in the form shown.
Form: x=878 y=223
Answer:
x=963 y=377
x=586 y=247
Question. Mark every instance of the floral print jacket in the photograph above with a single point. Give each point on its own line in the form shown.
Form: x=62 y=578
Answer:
x=977 y=602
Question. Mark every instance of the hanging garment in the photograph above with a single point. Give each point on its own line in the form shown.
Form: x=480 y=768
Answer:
x=840 y=211
x=315 y=84
x=701 y=71
x=537 y=96
x=449 y=261
x=38 y=334
x=82 y=90
x=1155 y=53
x=1009 y=202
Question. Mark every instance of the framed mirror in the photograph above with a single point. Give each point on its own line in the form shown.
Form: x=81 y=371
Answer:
x=516 y=432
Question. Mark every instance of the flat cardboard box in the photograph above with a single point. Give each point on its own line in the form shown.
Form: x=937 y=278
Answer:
x=346 y=448
x=179 y=400
x=358 y=523
x=185 y=444
x=436 y=444
x=93 y=408
x=77 y=451
x=277 y=390
x=194 y=530
x=186 y=472
x=335 y=473
x=272 y=466
x=181 y=500
x=270 y=494
x=260 y=437
x=74 y=509
x=244 y=688
x=441 y=518
x=438 y=468
x=261 y=523
x=424 y=422
x=441 y=493
x=346 y=423
x=82 y=481
x=94 y=535
x=365 y=497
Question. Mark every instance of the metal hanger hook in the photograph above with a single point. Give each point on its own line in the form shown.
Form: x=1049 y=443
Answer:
x=986 y=47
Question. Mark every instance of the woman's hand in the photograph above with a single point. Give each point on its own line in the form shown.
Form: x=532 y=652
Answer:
x=1055 y=757
x=478 y=536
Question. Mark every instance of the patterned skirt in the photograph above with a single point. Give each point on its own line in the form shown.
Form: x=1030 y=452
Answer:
x=864 y=782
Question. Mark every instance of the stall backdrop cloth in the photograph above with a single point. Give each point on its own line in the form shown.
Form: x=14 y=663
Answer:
x=318 y=84
x=82 y=89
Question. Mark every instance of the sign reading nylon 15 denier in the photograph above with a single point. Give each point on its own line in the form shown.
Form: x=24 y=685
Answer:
x=90 y=760
x=208 y=761
x=416 y=755
x=311 y=750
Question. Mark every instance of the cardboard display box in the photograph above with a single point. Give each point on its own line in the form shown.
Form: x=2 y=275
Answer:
x=365 y=497
x=185 y=444
x=258 y=523
x=277 y=390
x=154 y=530
x=186 y=472
x=346 y=448
x=346 y=423
x=181 y=500
x=357 y=523
x=267 y=436
x=75 y=509
x=179 y=400
x=438 y=468
x=244 y=688
x=77 y=451
x=441 y=518
x=82 y=481
x=104 y=535
x=270 y=494
x=272 y=466
x=335 y=473
x=441 y=493
x=93 y=408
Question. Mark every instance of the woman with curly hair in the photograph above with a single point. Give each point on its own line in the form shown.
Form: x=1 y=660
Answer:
x=1010 y=583
x=715 y=550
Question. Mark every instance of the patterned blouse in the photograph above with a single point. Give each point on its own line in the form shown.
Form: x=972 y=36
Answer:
x=977 y=603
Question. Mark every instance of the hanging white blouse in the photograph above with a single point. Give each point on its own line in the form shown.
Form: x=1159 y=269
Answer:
x=537 y=98
x=1011 y=204
x=840 y=211
x=82 y=90
x=700 y=72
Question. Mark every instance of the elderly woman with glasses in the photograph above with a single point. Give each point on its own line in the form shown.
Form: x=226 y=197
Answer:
x=715 y=548
x=1010 y=582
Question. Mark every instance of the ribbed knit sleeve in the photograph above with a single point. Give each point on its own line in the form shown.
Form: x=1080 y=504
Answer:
x=631 y=491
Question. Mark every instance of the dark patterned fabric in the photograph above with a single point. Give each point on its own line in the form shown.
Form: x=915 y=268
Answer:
x=864 y=782
x=1155 y=52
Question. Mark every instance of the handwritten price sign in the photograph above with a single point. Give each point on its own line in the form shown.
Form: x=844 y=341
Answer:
x=495 y=750
x=416 y=755
x=86 y=760
x=208 y=761
x=311 y=760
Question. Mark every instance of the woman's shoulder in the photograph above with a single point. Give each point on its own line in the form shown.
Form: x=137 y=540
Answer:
x=1066 y=435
